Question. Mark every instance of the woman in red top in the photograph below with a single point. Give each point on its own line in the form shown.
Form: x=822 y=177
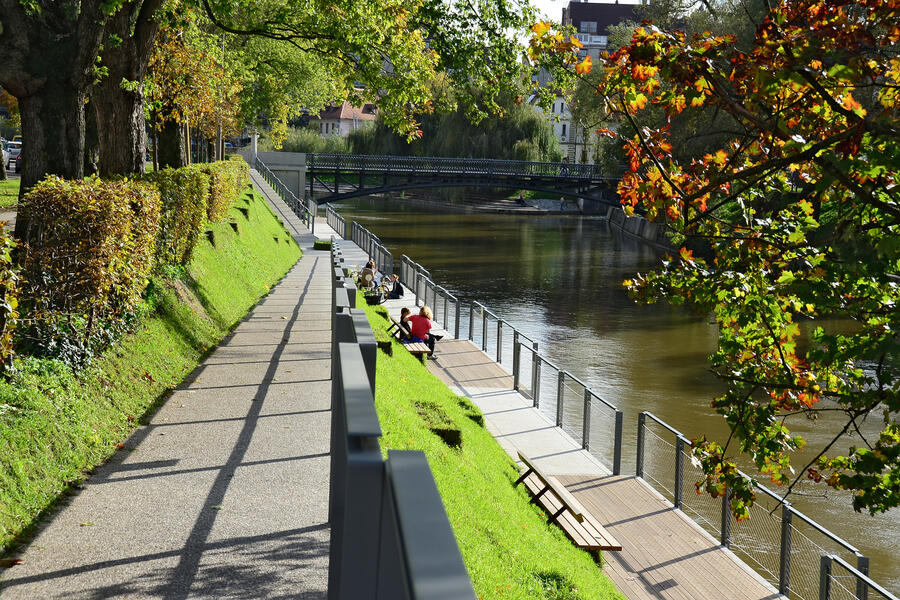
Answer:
x=420 y=325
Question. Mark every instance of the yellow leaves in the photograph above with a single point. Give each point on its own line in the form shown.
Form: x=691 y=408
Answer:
x=637 y=102
x=678 y=103
x=584 y=67
x=540 y=28
x=720 y=158
x=850 y=103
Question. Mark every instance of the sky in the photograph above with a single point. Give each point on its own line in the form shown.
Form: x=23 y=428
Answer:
x=552 y=9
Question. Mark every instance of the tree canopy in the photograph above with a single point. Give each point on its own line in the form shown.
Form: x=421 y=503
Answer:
x=791 y=230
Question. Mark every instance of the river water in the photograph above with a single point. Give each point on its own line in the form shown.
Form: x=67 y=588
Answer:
x=559 y=280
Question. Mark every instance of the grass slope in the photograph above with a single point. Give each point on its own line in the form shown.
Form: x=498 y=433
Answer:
x=55 y=425
x=509 y=548
x=9 y=193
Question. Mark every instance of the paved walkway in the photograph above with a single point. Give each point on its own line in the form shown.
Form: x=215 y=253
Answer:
x=225 y=493
x=665 y=555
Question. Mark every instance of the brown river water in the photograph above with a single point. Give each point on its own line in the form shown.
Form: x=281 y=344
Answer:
x=559 y=280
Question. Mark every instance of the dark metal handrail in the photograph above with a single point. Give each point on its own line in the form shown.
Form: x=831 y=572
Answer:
x=788 y=512
x=423 y=165
x=300 y=208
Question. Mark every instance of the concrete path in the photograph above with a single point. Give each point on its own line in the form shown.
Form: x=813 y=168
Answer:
x=225 y=493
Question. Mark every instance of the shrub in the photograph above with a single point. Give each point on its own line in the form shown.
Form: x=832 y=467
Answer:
x=242 y=170
x=8 y=299
x=224 y=187
x=185 y=199
x=90 y=247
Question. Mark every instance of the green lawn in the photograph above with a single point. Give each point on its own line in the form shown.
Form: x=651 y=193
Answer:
x=56 y=425
x=9 y=193
x=509 y=548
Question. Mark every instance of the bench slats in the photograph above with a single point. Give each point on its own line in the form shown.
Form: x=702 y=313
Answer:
x=578 y=524
x=412 y=347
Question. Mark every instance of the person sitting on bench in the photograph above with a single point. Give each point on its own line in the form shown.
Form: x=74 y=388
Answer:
x=395 y=291
x=404 y=324
x=420 y=325
x=367 y=276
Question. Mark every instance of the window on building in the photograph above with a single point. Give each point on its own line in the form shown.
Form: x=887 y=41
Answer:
x=588 y=27
x=564 y=130
x=562 y=107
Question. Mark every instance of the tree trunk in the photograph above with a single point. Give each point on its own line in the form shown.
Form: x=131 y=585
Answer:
x=170 y=149
x=120 y=97
x=91 y=140
x=53 y=137
x=3 y=175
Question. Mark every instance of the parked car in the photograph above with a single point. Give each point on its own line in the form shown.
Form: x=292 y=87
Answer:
x=13 y=150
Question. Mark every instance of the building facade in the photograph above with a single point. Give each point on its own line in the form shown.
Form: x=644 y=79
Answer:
x=341 y=120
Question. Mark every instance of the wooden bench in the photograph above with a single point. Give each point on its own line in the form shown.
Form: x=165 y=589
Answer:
x=565 y=510
x=415 y=348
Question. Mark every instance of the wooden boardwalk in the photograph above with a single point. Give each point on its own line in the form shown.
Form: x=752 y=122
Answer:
x=665 y=555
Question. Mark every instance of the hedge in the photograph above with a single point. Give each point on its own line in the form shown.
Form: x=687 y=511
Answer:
x=225 y=185
x=90 y=248
x=185 y=200
x=8 y=299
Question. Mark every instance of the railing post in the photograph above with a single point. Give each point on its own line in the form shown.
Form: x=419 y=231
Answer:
x=471 y=322
x=679 y=472
x=560 y=394
x=825 y=577
x=586 y=421
x=617 y=447
x=639 y=467
x=784 y=565
x=516 y=352
x=499 y=342
x=862 y=588
x=726 y=519
x=535 y=375
x=484 y=325
x=456 y=320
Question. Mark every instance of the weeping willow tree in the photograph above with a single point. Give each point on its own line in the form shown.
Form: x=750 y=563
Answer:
x=520 y=132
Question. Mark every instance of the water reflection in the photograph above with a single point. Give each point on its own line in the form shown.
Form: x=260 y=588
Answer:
x=559 y=280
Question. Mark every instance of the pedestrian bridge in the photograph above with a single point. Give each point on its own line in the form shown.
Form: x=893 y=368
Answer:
x=339 y=176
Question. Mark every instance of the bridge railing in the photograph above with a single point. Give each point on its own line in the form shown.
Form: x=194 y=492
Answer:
x=335 y=221
x=457 y=166
x=373 y=247
x=834 y=575
x=379 y=546
x=302 y=208
x=781 y=543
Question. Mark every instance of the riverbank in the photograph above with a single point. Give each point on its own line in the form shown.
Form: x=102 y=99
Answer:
x=56 y=425
x=508 y=546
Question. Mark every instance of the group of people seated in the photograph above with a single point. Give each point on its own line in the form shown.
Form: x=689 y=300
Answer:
x=370 y=279
x=418 y=327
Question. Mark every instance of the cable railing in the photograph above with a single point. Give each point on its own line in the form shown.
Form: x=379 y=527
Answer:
x=444 y=305
x=379 y=546
x=335 y=221
x=306 y=210
x=781 y=543
x=371 y=245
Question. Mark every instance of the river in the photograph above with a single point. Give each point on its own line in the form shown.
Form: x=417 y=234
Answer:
x=559 y=280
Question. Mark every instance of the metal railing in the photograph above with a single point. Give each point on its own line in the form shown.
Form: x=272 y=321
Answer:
x=390 y=535
x=577 y=409
x=305 y=209
x=833 y=586
x=444 y=305
x=425 y=165
x=335 y=221
x=781 y=543
x=373 y=247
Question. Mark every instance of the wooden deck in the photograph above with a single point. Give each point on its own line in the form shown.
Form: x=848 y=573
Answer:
x=665 y=555
x=462 y=365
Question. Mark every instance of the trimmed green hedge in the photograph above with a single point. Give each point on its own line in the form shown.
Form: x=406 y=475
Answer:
x=90 y=248
x=185 y=198
x=8 y=299
x=226 y=182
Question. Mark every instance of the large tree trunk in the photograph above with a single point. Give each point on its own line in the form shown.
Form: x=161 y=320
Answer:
x=91 y=140
x=171 y=149
x=119 y=100
x=53 y=137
